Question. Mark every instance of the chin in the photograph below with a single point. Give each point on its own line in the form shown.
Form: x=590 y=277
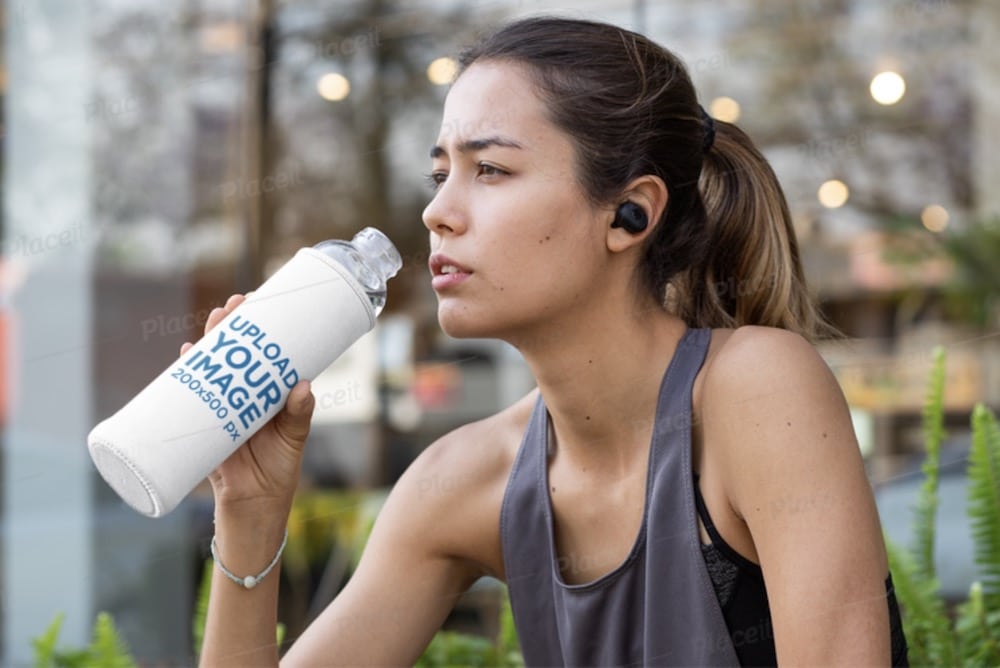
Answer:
x=461 y=323
x=460 y=326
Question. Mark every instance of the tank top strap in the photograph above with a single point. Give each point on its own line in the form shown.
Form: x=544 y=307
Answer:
x=675 y=392
x=680 y=596
x=524 y=532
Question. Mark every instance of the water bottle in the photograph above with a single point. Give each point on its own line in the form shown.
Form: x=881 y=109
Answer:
x=205 y=405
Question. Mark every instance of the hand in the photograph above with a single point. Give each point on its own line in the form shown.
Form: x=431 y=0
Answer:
x=264 y=471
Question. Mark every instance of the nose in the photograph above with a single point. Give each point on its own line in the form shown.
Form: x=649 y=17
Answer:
x=443 y=215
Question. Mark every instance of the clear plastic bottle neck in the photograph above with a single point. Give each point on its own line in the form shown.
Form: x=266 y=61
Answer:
x=370 y=257
x=379 y=251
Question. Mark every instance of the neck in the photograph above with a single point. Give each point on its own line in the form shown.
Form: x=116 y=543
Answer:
x=601 y=384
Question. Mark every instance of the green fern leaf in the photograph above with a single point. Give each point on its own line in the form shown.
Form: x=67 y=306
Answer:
x=73 y=658
x=984 y=502
x=107 y=648
x=924 y=515
x=508 y=646
x=925 y=618
x=201 y=607
x=45 y=644
x=978 y=630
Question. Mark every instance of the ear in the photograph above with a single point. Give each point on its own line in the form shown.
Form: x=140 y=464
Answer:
x=649 y=192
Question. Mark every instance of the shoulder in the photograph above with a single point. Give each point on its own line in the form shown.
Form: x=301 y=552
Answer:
x=769 y=405
x=752 y=366
x=749 y=356
x=452 y=492
x=474 y=453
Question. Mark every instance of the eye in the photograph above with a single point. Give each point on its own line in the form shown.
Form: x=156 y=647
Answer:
x=488 y=170
x=435 y=179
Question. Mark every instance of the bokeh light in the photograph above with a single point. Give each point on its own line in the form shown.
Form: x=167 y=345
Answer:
x=333 y=86
x=934 y=217
x=442 y=71
x=725 y=109
x=887 y=87
x=833 y=194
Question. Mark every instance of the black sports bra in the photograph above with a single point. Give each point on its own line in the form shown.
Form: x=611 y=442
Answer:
x=739 y=586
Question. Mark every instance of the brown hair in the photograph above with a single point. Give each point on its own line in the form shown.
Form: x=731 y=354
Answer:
x=724 y=252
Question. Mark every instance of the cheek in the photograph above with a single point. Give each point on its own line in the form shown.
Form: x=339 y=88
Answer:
x=550 y=244
x=548 y=267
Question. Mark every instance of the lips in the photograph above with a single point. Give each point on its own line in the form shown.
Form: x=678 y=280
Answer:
x=446 y=273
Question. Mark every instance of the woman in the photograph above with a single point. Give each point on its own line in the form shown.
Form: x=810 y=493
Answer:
x=684 y=487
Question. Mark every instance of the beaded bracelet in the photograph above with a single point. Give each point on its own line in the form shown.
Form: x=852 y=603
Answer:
x=250 y=581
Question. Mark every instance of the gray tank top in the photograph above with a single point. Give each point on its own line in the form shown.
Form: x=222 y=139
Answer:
x=658 y=607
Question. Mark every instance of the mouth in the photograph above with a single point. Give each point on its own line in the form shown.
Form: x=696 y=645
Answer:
x=446 y=272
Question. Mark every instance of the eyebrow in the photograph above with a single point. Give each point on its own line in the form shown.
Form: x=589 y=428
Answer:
x=473 y=145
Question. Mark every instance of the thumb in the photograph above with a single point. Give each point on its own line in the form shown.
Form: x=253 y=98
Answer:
x=292 y=422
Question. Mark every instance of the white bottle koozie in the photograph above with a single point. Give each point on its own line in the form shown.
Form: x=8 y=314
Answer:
x=186 y=422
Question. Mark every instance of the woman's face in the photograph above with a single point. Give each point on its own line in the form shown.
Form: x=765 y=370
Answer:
x=514 y=242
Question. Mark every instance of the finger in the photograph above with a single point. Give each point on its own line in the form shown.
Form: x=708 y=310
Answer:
x=301 y=400
x=219 y=313
x=233 y=302
x=186 y=347
x=293 y=421
x=215 y=316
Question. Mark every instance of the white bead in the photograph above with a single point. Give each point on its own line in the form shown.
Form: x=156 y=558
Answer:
x=249 y=582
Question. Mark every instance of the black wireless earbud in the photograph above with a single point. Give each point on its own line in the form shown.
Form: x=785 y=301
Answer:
x=631 y=218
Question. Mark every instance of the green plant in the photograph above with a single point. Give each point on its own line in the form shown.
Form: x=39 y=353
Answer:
x=201 y=607
x=107 y=649
x=449 y=648
x=969 y=633
x=971 y=293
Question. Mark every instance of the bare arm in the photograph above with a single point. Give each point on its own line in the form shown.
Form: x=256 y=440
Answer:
x=253 y=492
x=795 y=475
x=407 y=582
x=424 y=551
x=241 y=623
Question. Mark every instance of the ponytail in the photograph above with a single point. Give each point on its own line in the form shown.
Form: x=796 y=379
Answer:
x=750 y=272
